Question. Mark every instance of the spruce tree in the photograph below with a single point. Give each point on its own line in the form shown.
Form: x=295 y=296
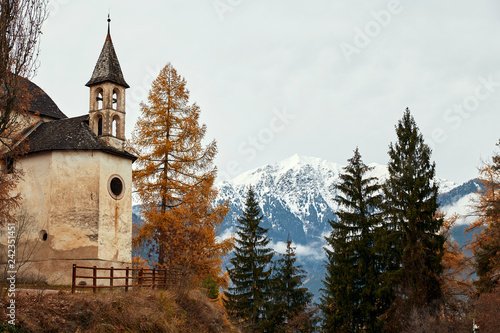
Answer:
x=413 y=223
x=209 y=284
x=289 y=298
x=351 y=299
x=247 y=298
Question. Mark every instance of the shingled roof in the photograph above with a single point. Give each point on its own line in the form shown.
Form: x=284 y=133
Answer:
x=107 y=68
x=69 y=134
x=42 y=103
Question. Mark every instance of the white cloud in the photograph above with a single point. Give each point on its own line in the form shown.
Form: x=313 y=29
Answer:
x=313 y=251
x=228 y=233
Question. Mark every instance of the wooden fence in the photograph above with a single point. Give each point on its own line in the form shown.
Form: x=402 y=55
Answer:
x=127 y=277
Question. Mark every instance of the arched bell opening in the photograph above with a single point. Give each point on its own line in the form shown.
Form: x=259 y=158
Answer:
x=99 y=124
x=114 y=104
x=98 y=104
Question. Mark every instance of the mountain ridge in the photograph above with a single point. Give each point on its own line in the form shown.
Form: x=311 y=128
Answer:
x=293 y=193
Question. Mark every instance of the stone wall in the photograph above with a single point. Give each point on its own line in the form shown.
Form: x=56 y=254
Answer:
x=115 y=215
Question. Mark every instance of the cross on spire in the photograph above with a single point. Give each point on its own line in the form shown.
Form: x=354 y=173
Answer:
x=109 y=20
x=107 y=67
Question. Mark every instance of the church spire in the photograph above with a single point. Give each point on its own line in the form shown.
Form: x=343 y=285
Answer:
x=109 y=35
x=107 y=97
x=107 y=68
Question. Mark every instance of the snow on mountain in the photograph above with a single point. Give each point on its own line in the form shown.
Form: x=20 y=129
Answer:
x=460 y=200
x=296 y=195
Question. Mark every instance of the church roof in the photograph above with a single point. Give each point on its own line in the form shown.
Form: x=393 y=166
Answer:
x=42 y=103
x=107 y=68
x=69 y=134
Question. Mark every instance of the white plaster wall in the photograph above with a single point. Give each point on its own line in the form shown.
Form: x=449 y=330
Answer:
x=115 y=215
x=36 y=186
x=60 y=189
x=66 y=193
x=74 y=200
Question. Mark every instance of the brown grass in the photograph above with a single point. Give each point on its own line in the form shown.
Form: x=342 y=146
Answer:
x=117 y=311
x=482 y=309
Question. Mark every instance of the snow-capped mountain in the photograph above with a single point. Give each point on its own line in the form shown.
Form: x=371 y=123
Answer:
x=296 y=196
x=460 y=200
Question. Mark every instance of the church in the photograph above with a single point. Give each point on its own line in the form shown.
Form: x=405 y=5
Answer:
x=77 y=182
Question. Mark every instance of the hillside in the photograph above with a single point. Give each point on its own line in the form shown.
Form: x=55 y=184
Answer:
x=136 y=311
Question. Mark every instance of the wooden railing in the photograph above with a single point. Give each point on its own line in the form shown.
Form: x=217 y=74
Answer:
x=128 y=277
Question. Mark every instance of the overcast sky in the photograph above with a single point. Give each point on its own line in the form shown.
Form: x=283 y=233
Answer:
x=316 y=78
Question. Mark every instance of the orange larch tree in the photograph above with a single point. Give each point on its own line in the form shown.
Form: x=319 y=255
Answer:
x=456 y=266
x=173 y=179
x=486 y=242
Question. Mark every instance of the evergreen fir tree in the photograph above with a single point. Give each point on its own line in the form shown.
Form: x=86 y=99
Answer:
x=211 y=287
x=351 y=300
x=413 y=223
x=247 y=298
x=289 y=298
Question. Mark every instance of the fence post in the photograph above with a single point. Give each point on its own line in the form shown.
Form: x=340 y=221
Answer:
x=140 y=277
x=154 y=279
x=164 y=278
x=111 y=278
x=126 y=280
x=95 y=279
x=73 y=283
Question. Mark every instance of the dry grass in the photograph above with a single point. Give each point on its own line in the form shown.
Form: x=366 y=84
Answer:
x=135 y=311
x=482 y=309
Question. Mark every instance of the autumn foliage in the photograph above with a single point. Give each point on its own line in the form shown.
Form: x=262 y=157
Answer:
x=173 y=179
x=20 y=24
x=486 y=244
x=455 y=277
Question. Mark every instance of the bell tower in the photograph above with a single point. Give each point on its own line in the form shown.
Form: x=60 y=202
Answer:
x=107 y=97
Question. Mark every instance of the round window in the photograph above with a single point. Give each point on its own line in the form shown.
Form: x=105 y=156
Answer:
x=116 y=187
